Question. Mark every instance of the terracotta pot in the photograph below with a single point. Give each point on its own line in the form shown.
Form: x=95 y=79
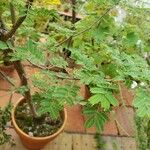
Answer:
x=35 y=143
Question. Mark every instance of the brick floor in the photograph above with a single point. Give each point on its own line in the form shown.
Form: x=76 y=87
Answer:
x=110 y=128
x=12 y=76
x=75 y=120
x=125 y=121
x=67 y=141
x=126 y=94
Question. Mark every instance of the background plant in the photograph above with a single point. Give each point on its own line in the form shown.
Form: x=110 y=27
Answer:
x=29 y=48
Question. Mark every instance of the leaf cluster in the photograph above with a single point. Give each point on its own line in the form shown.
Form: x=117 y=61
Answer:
x=5 y=117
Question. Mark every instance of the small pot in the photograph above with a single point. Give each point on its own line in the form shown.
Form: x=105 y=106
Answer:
x=35 y=143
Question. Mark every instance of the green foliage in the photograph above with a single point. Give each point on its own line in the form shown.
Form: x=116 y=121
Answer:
x=59 y=62
x=110 y=52
x=143 y=133
x=3 y=6
x=106 y=99
x=95 y=117
x=22 y=89
x=3 y=45
x=54 y=93
x=5 y=117
x=29 y=51
x=100 y=141
x=142 y=103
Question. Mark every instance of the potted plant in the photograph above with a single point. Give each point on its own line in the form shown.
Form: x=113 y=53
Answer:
x=44 y=116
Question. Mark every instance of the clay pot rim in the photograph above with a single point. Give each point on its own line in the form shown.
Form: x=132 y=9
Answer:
x=37 y=138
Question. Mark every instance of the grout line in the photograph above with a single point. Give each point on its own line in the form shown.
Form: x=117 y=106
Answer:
x=117 y=127
x=69 y=132
x=121 y=127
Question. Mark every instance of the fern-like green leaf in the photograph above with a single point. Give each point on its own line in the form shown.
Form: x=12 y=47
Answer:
x=142 y=103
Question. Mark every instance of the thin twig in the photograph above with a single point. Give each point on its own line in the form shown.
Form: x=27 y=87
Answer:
x=5 y=90
x=6 y=78
x=11 y=96
x=47 y=68
x=98 y=21
x=122 y=127
x=73 y=11
x=2 y=25
x=51 y=68
x=24 y=82
x=13 y=15
x=18 y=23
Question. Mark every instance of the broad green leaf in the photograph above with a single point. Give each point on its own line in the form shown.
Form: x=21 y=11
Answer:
x=142 y=103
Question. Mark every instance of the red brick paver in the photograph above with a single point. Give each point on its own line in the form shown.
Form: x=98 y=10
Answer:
x=75 y=120
x=126 y=96
x=125 y=121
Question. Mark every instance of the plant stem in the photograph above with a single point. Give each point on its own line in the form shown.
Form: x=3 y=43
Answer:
x=18 y=23
x=24 y=82
x=2 y=25
x=18 y=66
x=6 y=78
x=148 y=134
x=73 y=11
x=95 y=23
x=13 y=15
